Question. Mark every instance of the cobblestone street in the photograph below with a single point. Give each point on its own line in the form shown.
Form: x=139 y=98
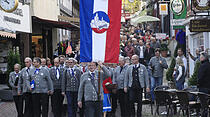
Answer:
x=7 y=109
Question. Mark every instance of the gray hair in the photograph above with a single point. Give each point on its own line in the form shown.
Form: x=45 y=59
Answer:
x=28 y=58
x=205 y=55
x=122 y=58
x=18 y=65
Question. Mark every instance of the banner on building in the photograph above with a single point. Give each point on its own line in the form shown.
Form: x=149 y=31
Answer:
x=163 y=9
x=179 y=9
x=100 y=30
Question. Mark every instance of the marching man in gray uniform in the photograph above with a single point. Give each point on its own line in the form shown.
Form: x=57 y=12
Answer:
x=13 y=81
x=118 y=78
x=41 y=86
x=136 y=79
x=91 y=87
x=24 y=89
x=70 y=86
x=56 y=74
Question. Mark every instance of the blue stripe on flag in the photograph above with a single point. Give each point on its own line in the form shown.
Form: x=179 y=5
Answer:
x=86 y=11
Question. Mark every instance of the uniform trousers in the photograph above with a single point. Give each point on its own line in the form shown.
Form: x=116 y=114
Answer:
x=72 y=103
x=57 y=103
x=93 y=108
x=18 y=99
x=135 y=95
x=40 y=104
x=28 y=111
x=123 y=100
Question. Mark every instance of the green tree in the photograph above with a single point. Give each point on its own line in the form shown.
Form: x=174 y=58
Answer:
x=193 y=79
x=12 y=59
x=170 y=71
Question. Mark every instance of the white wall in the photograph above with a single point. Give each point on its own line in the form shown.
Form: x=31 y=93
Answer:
x=45 y=9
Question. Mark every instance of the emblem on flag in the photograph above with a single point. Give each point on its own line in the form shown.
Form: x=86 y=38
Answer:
x=100 y=22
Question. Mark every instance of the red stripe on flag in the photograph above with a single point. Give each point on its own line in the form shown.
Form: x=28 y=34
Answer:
x=113 y=33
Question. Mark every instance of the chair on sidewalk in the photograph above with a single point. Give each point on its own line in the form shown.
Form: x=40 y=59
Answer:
x=162 y=88
x=163 y=98
x=204 y=101
x=147 y=100
x=185 y=104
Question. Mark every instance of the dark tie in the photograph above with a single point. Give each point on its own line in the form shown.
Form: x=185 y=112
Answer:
x=92 y=76
x=121 y=68
x=28 y=69
x=72 y=72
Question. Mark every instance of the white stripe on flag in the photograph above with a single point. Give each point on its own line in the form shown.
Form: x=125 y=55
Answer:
x=99 y=40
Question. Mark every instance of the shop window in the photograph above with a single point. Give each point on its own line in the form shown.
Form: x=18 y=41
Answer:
x=37 y=46
x=198 y=42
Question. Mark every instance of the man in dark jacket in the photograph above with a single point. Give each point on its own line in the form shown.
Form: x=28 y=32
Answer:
x=203 y=77
x=203 y=74
x=148 y=53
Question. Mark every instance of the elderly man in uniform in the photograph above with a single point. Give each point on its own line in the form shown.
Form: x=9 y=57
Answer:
x=56 y=75
x=62 y=61
x=13 y=81
x=135 y=80
x=118 y=78
x=24 y=89
x=91 y=87
x=41 y=86
x=44 y=63
x=70 y=86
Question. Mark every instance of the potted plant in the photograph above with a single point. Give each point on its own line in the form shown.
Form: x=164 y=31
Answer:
x=169 y=73
x=193 y=79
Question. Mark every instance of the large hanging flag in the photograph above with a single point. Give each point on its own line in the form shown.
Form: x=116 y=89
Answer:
x=100 y=30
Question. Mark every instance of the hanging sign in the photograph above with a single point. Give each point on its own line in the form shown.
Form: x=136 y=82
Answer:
x=163 y=9
x=177 y=6
x=201 y=4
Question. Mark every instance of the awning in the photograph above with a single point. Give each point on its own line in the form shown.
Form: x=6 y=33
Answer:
x=7 y=34
x=55 y=24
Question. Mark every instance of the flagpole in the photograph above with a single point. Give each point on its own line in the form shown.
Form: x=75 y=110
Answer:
x=99 y=82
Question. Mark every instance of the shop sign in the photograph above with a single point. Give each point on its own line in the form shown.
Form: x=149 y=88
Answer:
x=18 y=20
x=202 y=25
x=177 y=6
x=160 y=35
x=201 y=4
x=177 y=22
x=163 y=9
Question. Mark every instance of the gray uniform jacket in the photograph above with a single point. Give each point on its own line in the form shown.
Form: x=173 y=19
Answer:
x=143 y=77
x=43 y=82
x=70 y=82
x=53 y=75
x=86 y=87
x=12 y=80
x=24 y=76
x=118 y=78
x=157 y=68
